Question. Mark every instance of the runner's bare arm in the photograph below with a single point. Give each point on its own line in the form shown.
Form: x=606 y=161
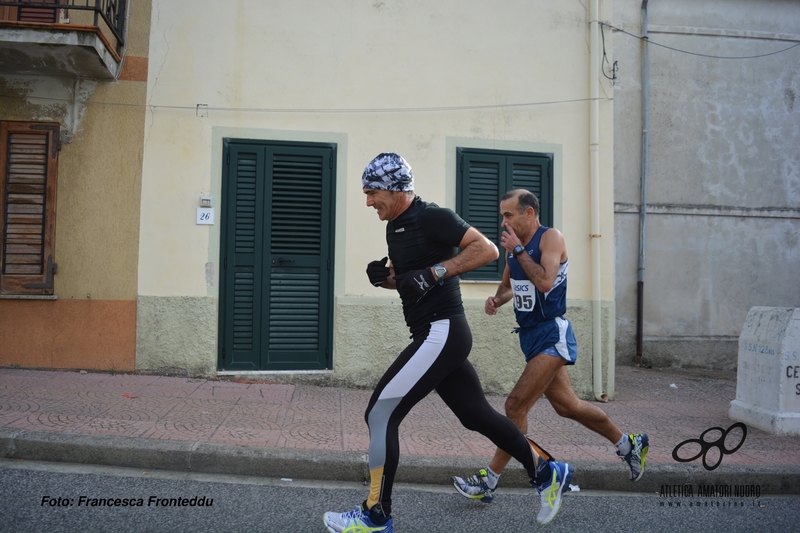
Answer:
x=503 y=294
x=554 y=252
x=476 y=251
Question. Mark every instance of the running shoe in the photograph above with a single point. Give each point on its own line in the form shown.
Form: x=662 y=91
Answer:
x=475 y=487
x=355 y=521
x=637 y=456
x=551 y=491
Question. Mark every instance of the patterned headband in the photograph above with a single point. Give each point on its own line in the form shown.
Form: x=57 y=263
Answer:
x=388 y=172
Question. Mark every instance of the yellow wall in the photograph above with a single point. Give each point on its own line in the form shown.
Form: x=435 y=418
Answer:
x=92 y=323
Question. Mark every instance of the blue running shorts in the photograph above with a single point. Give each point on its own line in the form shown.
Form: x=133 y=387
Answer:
x=554 y=337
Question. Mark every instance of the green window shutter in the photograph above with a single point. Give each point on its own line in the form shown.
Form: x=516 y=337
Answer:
x=483 y=177
x=534 y=173
x=29 y=163
x=481 y=185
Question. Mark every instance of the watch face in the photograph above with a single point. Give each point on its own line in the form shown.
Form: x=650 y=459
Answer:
x=518 y=250
x=440 y=271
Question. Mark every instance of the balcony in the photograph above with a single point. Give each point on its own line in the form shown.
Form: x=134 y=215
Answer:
x=69 y=38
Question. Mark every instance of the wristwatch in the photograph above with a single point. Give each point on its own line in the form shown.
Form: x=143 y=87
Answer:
x=518 y=249
x=440 y=272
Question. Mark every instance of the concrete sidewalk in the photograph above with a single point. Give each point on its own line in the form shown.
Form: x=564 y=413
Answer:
x=299 y=431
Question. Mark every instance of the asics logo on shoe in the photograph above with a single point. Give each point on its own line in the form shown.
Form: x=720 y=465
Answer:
x=552 y=492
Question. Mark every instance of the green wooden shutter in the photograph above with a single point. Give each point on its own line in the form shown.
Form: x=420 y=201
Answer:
x=483 y=177
x=534 y=173
x=275 y=304
x=482 y=184
x=297 y=240
x=244 y=261
x=29 y=159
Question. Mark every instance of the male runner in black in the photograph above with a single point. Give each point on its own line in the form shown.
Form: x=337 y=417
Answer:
x=423 y=241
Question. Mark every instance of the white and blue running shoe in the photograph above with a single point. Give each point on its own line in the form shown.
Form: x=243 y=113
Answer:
x=550 y=492
x=355 y=521
x=474 y=487
x=638 y=454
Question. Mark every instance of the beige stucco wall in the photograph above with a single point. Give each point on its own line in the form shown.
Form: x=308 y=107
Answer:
x=176 y=335
x=420 y=78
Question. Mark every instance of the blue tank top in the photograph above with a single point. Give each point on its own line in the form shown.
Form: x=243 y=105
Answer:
x=531 y=305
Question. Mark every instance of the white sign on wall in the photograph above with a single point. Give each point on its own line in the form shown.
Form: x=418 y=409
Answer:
x=205 y=215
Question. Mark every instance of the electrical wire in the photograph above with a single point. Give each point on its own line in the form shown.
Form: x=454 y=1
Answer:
x=316 y=110
x=695 y=53
x=605 y=61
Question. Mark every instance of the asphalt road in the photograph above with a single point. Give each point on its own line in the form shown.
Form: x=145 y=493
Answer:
x=57 y=497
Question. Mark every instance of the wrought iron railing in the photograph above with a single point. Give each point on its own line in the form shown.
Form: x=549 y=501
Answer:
x=105 y=14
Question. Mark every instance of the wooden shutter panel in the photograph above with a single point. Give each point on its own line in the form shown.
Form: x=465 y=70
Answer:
x=29 y=159
x=533 y=173
x=245 y=232
x=484 y=176
x=295 y=230
x=37 y=14
x=277 y=251
x=482 y=185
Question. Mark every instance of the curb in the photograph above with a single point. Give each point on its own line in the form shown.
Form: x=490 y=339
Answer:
x=149 y=454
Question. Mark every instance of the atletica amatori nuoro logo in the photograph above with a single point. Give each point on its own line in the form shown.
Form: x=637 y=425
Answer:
x=706 y=446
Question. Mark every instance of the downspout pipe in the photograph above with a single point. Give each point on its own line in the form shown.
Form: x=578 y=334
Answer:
x=594 y=170
x=643 y=201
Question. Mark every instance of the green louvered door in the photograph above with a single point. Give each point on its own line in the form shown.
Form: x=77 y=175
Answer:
x=277 y=255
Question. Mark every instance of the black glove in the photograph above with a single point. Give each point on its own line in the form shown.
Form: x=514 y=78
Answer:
x=378 y=272
x=416 y=284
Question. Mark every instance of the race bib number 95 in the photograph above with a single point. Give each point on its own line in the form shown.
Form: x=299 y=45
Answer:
x=524 y=295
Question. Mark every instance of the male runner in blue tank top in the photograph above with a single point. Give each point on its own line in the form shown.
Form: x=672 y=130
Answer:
x=535 y=278
x=423 y=241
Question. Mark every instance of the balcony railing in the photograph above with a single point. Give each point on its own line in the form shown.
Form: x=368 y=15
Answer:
x=108 y=16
